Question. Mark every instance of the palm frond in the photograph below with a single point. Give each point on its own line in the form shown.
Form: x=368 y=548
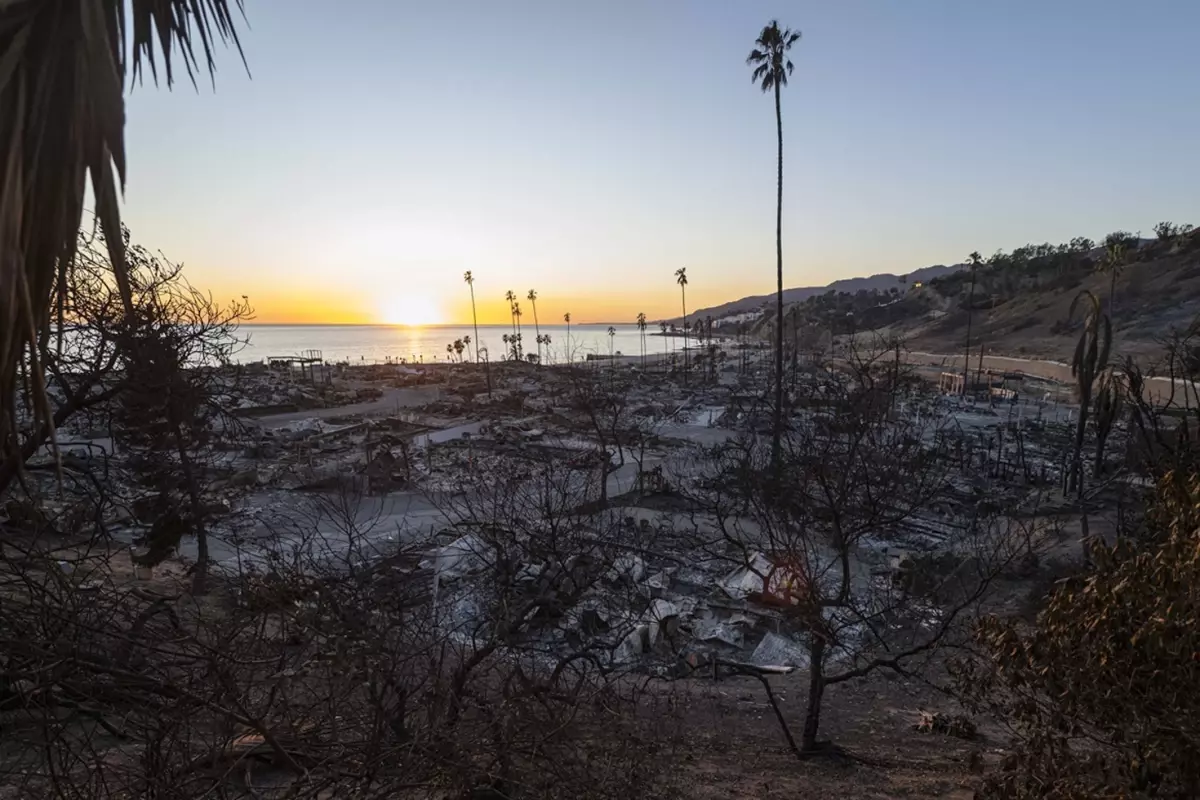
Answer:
x=771 y=66
x=63 y=72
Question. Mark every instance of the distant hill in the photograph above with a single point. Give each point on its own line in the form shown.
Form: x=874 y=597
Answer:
x=1023 y=308
x=881 y=283
x=1019 y=303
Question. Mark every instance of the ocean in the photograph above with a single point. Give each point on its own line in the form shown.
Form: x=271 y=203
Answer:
x=378 y=344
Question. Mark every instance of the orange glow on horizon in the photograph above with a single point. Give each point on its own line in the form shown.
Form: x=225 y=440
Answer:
x=360 y=307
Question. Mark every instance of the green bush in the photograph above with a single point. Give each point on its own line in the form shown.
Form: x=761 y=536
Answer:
x=1102 y=693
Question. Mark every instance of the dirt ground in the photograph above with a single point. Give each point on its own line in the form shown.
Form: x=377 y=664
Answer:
x=731 y=745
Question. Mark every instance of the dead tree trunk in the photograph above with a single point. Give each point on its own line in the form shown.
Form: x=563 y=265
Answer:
x=816 y=693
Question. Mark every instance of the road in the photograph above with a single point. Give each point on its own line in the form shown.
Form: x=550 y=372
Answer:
x=391 y=400
x=1158 y=389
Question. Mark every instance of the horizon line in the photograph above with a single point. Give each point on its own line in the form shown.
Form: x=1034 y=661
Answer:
x=428 y=325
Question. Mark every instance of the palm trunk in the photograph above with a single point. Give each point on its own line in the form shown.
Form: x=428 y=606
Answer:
x=537 y=330
x=1112 y=294
x=683 y=303
x=1076 y=482
x=795 y=349
x=487 y=367
x=777 y=421
x=967 y=357
x=475 y=322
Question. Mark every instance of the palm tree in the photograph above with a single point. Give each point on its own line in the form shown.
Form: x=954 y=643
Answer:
x=487 y=367
x=771 y=70
x=512 y=309
x=975 y=260
x=567 y=319
x=459 y=345
x=450 y=351
x=612 y=332
x=1089 y=360
x=507 y=338
x=641 y=323
x=470 y=280
x=532 y=298
x=63 y=72
x=466 y=340
x=681 y=279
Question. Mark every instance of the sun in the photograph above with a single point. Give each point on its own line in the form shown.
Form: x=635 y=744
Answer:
x=411 y=309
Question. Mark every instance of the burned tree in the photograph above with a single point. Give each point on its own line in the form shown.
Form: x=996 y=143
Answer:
x=860 y=480
x=1165 y=422
x=82 y=358
x=173 y=413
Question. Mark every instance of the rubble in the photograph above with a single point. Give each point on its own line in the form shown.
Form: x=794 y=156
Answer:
x=776 y=650
x=330 y=433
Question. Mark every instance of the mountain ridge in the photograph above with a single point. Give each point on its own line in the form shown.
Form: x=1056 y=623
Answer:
x=880 y=282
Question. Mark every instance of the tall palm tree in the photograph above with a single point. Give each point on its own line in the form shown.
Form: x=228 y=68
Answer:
x=532 y=298
x=641 y=323
x=771 y=70
x=681 y=279
x=64 y=66
x=487 y=367
x=470 y=280
x=567 y=319
x=974 y=260
x=612 y=333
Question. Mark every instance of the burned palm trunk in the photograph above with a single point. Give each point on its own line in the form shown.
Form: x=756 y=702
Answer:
x=1089 y=360
x=1108 y=406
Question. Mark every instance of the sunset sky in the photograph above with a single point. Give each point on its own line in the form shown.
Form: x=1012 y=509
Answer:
x=589 y=149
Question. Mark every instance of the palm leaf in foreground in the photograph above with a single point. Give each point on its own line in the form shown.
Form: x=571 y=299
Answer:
x=64 y=67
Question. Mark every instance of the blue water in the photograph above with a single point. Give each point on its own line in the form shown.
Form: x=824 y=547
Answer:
x=380 y=343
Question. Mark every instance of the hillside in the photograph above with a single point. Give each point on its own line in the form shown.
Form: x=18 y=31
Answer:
x=880 y=283
x=1020 y=305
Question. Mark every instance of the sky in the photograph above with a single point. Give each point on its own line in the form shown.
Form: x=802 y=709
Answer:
x=379 y=148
